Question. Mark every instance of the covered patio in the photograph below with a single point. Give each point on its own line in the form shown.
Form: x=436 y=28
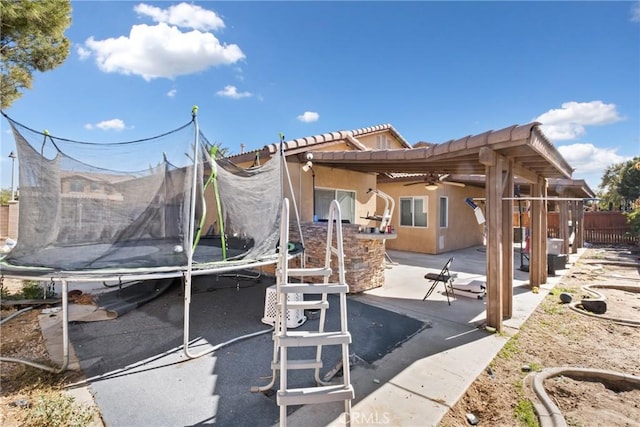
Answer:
x=498 y=160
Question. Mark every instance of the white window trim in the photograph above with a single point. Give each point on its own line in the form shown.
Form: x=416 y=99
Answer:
x=335 y=190
x=425 y=204
x=446 y=219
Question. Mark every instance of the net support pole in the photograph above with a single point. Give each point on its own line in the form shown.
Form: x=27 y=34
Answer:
x=190 y=248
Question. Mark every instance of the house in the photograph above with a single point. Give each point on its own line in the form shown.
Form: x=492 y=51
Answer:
x=350 y=165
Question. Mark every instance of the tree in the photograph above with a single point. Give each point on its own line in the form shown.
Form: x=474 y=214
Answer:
x=31 y=39
x=620 y=185
x=5 y=196
x=629 y=186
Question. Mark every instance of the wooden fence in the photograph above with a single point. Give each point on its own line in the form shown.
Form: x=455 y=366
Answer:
x=602 y=227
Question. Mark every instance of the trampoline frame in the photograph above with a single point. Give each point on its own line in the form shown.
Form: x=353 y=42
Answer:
x=95 y=277
x=132 y=274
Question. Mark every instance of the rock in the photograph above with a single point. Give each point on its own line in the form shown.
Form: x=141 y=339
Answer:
x=566 y=297
x=472 y=419
x=596 y=306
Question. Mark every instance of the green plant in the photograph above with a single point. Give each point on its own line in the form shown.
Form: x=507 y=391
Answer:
x=535 y=367
x=54 y=408
x=525 y=414
x=633 y=219
x=32 y=290
x=4 y=293
x=510 y=348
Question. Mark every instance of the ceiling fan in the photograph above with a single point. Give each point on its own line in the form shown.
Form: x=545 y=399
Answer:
x=433 y=180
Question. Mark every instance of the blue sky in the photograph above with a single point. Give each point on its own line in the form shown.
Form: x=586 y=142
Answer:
x=434 y=70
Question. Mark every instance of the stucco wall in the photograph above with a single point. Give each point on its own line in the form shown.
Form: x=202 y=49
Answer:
x=462 y=231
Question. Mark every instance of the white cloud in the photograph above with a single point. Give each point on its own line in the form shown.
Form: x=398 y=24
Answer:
x=83 y=53
x=163 y=50
x=113 y=124
x=590 y=161
x=587 y=158
x=183 y=15
x=309 y=117
x=635 y=12
x=172 y=93
x=230 y=91
x=569 y=122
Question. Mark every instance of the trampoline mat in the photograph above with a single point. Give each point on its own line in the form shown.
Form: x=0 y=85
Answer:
x=124 y=255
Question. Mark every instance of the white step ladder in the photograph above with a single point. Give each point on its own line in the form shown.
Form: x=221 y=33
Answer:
x=283 y=339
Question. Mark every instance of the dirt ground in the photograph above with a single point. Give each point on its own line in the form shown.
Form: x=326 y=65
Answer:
x=554 y=336
x=557 y=336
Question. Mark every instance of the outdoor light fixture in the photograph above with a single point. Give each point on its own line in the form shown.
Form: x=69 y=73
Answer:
x=431 y=186
x=307 y=166
x=12 y=156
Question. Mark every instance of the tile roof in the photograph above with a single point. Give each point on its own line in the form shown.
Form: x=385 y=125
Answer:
x=525 y=145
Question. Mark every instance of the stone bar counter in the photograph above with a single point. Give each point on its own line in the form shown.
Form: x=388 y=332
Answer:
x=364 y=253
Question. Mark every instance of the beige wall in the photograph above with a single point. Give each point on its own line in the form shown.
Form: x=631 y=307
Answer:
x=462 y=231
x=9 y=221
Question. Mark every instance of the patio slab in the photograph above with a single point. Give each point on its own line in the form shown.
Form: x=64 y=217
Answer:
x=415 y=383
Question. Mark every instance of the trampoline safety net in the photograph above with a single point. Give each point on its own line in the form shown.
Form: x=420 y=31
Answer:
x=116 y=206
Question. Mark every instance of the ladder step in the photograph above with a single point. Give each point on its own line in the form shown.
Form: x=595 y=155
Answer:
x=317 y=271
x=314 y=288
x=299 y=364
x=310 y=338
x=307 y=305
x=323 y=394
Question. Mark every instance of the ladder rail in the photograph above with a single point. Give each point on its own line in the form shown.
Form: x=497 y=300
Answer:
x=323 y=392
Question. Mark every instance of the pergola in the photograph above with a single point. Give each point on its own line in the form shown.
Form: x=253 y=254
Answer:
x=520 y=153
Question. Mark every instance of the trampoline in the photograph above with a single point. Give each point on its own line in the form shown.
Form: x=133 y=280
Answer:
x=135 y=210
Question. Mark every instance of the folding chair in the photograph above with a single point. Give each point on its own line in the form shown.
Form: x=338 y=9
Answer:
x=445 y=277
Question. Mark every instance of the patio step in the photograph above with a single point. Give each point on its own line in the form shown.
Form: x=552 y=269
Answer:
x=307 y=305
x=314 y=288
x=311 y=338
x=299 y=364
x=323 y=394
x=305 y=272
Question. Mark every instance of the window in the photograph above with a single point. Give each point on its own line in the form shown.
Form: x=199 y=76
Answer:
x=444 y=212
x=76 y=186
x=346 y=199
x=413 y=211
x=382 y=143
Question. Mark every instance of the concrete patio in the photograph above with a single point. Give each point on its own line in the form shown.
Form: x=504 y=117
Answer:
x=415 y=383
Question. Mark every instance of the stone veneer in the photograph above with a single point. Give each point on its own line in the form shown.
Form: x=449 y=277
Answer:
x=364 y=254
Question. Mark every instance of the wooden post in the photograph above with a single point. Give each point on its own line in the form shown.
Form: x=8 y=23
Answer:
x=578 y=226
x=538 y=248
x=507 y=241
x=542 y=183
x=563 y=225
x=493 y=188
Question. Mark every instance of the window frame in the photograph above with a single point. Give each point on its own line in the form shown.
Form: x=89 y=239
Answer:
x=412 y=200
x=335 y=191
x=446 y=211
